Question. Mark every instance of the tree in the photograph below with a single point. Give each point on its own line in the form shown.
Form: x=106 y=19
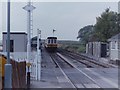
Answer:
x=107 y=25
x=85 y=33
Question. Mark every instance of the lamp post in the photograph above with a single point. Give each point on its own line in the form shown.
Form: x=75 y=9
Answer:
x=8 y=66
x=29 y=8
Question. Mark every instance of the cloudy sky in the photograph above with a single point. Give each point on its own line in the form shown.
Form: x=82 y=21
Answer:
x=65 y=17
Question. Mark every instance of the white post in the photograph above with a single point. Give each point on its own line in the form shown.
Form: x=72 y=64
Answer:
x=38 y=56
x=29 y=8
x=28 y=34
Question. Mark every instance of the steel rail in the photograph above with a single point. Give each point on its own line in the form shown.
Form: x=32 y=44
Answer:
x=96 y=64
x=74 y=86
x=78 y=69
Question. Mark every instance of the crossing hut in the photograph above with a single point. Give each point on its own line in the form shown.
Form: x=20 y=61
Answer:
x=18 y=42
x=114 y=45
x=96 y=49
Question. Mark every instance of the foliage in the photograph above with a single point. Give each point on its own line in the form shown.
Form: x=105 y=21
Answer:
x=85 y=33
x=73 y=46
x=107 y=25
x=81 y=48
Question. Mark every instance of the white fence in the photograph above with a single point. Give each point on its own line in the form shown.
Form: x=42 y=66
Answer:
x=36 y=66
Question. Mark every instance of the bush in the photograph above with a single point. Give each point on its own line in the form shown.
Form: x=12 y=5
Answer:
x=81 y=49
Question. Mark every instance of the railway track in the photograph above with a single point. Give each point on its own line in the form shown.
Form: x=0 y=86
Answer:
x=59 y=64
x=64 y=65
x=59 y=61
x=85 y=60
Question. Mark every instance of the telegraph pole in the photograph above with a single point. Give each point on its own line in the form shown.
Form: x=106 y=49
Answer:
x=8 y=66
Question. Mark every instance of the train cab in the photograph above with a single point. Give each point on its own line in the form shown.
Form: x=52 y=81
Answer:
x=51 y=44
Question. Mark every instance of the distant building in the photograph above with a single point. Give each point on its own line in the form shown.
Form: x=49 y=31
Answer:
x=115 y=47
x=18 y=42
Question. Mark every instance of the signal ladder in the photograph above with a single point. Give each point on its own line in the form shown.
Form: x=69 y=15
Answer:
x=31 y=21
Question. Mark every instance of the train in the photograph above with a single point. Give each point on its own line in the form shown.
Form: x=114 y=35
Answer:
x=51 y=44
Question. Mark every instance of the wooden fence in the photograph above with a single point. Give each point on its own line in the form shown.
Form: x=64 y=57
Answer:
x=18 y=73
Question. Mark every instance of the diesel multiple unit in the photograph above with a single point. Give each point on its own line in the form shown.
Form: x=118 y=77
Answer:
x=51 y=44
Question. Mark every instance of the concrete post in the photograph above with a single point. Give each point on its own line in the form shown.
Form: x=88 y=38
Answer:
x=8 y=66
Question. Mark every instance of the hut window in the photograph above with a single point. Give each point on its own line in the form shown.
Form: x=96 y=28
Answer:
x=118 y=45
x=113 y=45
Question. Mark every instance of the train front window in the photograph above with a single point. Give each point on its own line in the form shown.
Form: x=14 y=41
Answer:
x=48 y=40
x=55 y=41
x=51 y=40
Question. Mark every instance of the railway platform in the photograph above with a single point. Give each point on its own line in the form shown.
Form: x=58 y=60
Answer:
x=51 y=77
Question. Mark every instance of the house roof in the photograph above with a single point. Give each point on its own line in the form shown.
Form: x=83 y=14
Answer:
x=115 y=37
x=16 y=33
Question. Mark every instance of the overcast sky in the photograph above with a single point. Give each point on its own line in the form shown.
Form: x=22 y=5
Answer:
x=65 y=17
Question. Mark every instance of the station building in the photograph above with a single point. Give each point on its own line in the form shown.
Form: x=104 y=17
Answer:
x=114 y=44
x=18 y=42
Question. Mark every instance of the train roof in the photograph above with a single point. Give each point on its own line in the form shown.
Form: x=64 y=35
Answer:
x=51 y=37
